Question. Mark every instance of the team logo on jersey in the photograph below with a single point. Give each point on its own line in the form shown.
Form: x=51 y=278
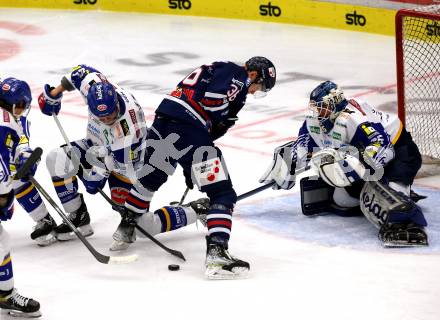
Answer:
x=315 y=129
x=336 y=135
x=9 y=142
x=271 y=71
x=101 y=107
x=369 y=130
x=6 y=87
x=6 y=117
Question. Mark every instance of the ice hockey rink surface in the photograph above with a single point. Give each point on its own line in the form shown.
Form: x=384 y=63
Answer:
x=301 y=268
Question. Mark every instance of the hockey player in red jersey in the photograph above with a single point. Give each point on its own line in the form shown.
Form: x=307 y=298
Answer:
x=201 y=109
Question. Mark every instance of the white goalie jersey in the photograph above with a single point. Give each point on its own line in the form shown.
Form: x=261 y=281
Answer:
x=359 y=125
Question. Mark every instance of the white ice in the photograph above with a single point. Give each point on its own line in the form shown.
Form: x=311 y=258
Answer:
x=320 y=268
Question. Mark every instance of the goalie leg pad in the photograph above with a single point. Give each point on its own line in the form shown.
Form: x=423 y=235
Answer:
x=382 y=205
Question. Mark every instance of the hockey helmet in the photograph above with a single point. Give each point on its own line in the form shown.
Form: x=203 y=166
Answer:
x=266 y=72
x=15 y=93
x=326 y=101
x=102 y=99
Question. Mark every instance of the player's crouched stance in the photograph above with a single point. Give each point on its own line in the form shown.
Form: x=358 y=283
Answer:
x=15 y=98
x=366 y=162
x=200 y=110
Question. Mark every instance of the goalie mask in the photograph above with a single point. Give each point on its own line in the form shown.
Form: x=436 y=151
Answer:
x=266 y=73
x=15 y=96
x=326 y=101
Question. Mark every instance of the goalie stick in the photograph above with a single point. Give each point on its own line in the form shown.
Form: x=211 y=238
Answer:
x=114 y=205
x=24 y=170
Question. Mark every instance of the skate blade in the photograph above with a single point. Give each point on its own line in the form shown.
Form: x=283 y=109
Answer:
x=19 y=314
x=119 y=246
x=46 y=240
x=403 y=245
x=217 y=273
x=86 y=231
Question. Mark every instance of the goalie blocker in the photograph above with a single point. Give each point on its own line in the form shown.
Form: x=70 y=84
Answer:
x=399 y=220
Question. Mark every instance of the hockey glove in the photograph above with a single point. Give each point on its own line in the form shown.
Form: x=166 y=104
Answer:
x=48 y=104
x=94 y=179
x=337 y=168
x=7 y=205
x=222 y=127
x=282 y=169
x=22 y=157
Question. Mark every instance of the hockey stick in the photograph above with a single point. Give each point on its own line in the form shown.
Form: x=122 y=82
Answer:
x=35 y=156
x=145 y=233
x=256 y=190
x=110 y=201
x=183 y=196
x=268 y=185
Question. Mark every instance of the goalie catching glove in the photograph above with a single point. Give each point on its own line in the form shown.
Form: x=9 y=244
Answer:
x=282 y=169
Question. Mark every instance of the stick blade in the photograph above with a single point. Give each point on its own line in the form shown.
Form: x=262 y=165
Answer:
x=123 y=259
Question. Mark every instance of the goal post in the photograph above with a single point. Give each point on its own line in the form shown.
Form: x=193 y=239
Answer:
x=418 y=75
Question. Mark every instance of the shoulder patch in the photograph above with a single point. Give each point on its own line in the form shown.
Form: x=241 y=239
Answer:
x=132 y=116
x=125 y=127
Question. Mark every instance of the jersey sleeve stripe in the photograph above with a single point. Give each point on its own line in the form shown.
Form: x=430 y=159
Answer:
x=215 y=95
x=224 y=106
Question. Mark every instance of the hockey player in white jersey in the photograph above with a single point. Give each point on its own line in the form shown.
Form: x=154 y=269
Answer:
x=112 y=151
x=366 y=162
x=15 y=99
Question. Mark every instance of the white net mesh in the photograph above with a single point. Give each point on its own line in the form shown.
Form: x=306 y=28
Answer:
x=421 y=61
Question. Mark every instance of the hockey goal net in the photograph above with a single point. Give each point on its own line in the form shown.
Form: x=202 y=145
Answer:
x=418 y=77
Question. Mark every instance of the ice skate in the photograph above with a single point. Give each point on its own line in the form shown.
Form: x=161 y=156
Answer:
x=124 y=235
x=18 y=306
x=44 y=231
x=201 y=207
x=403 y=235
x=80 y=219
x=220 y=265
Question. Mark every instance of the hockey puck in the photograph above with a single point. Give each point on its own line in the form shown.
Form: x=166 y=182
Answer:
x=173 y=267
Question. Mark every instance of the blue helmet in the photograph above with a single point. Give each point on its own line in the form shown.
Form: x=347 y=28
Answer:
x=15 y=93
x=326 y=101
x=266 y=71
x=102 y=99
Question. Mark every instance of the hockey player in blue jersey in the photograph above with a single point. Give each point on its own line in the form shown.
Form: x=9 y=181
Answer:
x=116 y=125
x=15 y=100
x=111 y=152
x=200 y=110
x=366 y=162
x=25 y=193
